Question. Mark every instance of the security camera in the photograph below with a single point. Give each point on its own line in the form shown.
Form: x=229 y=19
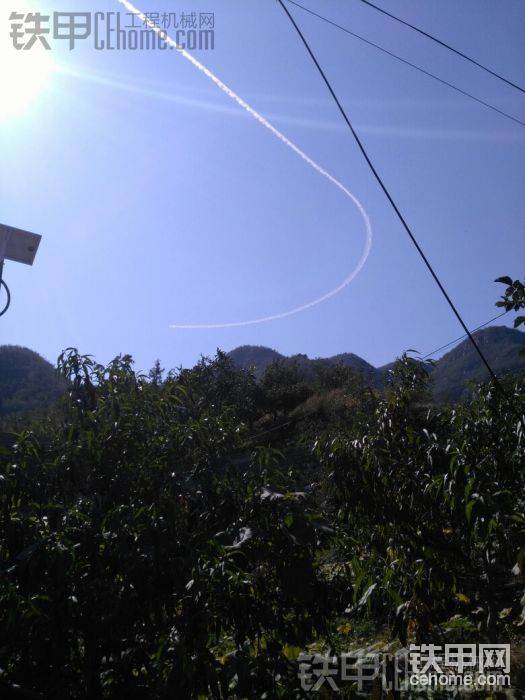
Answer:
x=18 y=246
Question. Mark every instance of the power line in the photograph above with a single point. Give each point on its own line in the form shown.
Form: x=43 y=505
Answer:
x=408 y=63
x=445 y=45
x=393 y=204
x=462 y=337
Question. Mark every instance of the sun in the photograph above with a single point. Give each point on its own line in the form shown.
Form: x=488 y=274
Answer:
x=24 y=74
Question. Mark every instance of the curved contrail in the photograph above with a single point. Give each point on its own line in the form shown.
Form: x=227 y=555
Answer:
x=264 y=122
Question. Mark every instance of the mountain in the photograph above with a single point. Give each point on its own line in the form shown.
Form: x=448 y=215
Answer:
x=370 y=373
x=255 y=356
x=500 y=345
x=449 y=377
x=259 y=358
x=27 y=381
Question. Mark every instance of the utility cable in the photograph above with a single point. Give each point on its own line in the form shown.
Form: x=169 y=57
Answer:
x=444 y=44
x=462 y=337
x=393 y=204
x=408 y=63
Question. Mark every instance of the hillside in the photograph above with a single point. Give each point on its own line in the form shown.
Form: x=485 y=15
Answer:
x=233 y=511
x=450 y=376
x=27 y=381
x=255 y=356
x=500 y=345
x=258 y=357
x=176 y=539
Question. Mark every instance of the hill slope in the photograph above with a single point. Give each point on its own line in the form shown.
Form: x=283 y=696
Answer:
x=450 y=375
x=27 y=381
x=255 y=356
x=501 y=347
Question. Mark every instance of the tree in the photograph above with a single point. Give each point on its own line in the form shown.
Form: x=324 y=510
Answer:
x=156 y=373
x=329 y=377
x=216 y=384
x=513 y=300
x=284 y=387
x=514 y=297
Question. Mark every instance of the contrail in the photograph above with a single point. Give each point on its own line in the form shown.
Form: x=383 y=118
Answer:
x=264 y=122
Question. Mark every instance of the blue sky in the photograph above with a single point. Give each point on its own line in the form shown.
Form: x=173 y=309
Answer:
x=160 y=202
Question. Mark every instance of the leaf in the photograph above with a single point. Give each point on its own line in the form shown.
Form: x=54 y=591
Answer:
x=363 y=600
x=504 y=280
x=518 y=321
x=291 y=652
x=366 y=595
x=288 y=520
x=468 y=510
x=463 y=598
x=520 y=561
x=271 y=495
x=244 y=535
x=345 y=628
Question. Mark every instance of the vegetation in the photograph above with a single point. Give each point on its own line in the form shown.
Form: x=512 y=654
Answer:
x=454 y=374
x=30 y=383
x=188 y=535
x=27 y=381
x=514 y=298
x=451 y=375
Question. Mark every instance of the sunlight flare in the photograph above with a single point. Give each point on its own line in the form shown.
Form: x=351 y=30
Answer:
x=25 y=73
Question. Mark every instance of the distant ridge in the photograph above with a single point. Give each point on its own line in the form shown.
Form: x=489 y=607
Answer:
x=501 y=346
x=450 y=375
x=257 y=357
x=28 y=382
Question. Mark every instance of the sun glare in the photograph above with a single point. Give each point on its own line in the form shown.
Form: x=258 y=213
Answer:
x=24 y=73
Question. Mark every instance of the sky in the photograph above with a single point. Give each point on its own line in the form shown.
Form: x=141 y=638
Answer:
x=161 y=202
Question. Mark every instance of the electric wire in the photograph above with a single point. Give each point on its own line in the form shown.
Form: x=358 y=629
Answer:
x=462 y=337
x=445 y=45
x=392 y=202
x=408 y=63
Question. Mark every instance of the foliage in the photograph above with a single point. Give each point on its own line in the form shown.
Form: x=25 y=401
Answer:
x=429 y=507
x=188 y=535
x=513 y=300
x=27 y=381
x=329 y=377
x=254 y=357
x=216 y=385
x=453 y=374
x=132 y=544
x=284 y=386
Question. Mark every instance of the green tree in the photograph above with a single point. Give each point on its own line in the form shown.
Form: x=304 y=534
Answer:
x=329 y=377
x=284 y=387
x=513 y=299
